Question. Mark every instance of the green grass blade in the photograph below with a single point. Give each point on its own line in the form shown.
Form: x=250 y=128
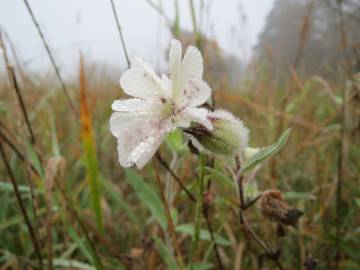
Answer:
x=147 y=196
x=89 y=146
x=165 y=254
x=203 y=235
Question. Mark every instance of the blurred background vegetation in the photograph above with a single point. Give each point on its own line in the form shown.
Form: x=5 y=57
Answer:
x=86 y=212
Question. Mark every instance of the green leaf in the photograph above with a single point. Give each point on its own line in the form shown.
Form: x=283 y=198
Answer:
x=147 y=196
x=3 y=107
x=70 y=264
x=357 y=201
x=34 y=159
x=176 y=143
x=266 y=152
x=202 y=266
x=299 y=195
x=14 y=220
x=85 y=250
x=8 y=187
x=204 y=234
x=220 y=178
x=165 y=254
x=119 y=201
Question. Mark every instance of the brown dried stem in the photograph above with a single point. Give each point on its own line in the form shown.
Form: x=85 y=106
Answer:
x=247 y=229
x=15 y=85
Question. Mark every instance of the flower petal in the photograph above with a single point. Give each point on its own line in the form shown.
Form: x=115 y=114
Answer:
x=198 y=115
x=196 y=92
x=141 y=81
x=192 y=64
x=144 y=151
x=138 y=134
x=174 y=57
x=130 y=105
x=176 y=74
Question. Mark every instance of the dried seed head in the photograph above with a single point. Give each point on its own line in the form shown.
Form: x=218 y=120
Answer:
x=228 y=136
x=275 y=208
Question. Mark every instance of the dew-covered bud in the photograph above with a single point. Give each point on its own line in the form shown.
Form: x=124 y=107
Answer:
x=275 y=208
x=228 y=137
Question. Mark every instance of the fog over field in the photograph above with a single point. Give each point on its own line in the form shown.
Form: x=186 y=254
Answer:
x=88 y=25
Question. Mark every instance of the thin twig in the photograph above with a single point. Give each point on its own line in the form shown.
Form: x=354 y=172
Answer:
x=176 y=178
x=52 y=59
x=120 y=34
x=33 y=237
x=15 y=85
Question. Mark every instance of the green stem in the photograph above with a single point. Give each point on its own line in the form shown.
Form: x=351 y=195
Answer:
x=195 y=27
x=199 y=202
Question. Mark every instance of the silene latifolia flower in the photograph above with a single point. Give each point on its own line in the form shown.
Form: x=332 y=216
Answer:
x=159 y=104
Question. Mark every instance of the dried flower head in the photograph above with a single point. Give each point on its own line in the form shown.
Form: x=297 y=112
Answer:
x=160 y=105
x=228 y=135
x=275 y=208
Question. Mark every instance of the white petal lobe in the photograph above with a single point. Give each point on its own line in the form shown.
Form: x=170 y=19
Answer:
x=141 y=81
x=192 y=64
x=130 y=105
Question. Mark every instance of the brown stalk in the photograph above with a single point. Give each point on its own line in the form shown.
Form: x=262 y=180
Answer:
x=120 y=34
x=341 y=158
x=15 y=85
x=52 y=59
x=246 y=227
x=169 y=218
x=34 y=240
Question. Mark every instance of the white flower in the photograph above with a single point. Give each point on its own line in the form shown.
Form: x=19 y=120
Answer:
x=228 y=137
x=160 y=105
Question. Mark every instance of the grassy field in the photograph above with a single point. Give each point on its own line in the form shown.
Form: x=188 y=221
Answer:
x=83 y=211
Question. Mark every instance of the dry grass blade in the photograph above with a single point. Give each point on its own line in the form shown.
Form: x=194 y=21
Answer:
x=89 y=145
x=15 y=85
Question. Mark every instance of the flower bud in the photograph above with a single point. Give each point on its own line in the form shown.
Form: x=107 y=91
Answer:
x=228 y=137
x=275 y=208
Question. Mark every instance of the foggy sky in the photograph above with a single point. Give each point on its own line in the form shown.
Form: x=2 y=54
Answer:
x=71 y=26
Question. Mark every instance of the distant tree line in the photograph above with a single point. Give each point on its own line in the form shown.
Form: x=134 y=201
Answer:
x=316 y=37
